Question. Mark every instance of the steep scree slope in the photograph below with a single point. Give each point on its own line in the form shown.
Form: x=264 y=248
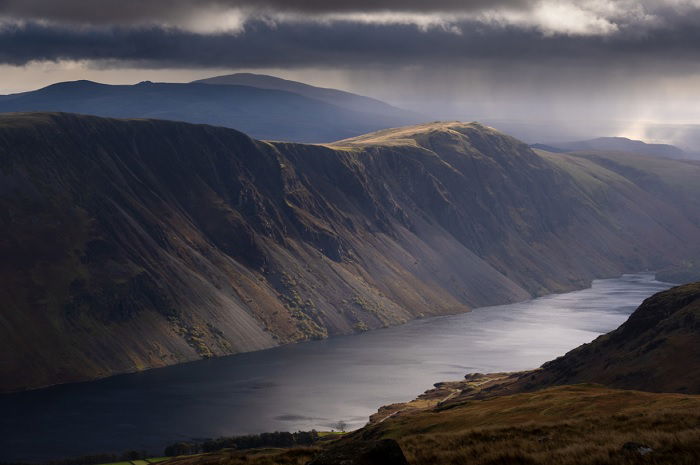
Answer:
x=131 y=244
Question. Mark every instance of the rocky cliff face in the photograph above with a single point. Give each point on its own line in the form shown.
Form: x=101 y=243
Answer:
x=131 y=244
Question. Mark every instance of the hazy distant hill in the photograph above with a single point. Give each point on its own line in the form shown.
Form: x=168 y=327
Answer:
x=333 y=96
x=615 y=144
x=685 y=272
x=130 y=244
x=261 y=112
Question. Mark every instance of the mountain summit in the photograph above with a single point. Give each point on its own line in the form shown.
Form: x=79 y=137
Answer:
x=336 y=97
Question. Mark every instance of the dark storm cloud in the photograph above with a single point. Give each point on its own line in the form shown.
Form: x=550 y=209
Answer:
x=127 y=11
x=139 y=33
x=342 y=44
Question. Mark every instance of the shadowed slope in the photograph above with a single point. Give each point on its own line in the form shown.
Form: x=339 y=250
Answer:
x=131 y=244
x=656 y=349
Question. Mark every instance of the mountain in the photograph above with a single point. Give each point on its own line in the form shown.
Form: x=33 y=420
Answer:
x=657 y=349
x=263 y=113
x=615 y=144
x=333 y=96
x=548 y=148
x=680 y=273
x=132 y=244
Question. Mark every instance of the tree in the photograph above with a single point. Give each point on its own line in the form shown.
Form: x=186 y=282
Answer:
x=341 y=426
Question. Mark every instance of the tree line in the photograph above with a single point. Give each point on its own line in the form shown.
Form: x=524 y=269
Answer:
x=93 y=459
x=248 y=441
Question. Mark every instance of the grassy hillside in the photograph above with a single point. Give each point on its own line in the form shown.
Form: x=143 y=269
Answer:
x=132 y=244
x=577 y=425
x=674 y=181
x=684 y=272
x=656 y=349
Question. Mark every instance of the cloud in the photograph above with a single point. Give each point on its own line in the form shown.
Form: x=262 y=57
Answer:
x=565 y=17
x=200 y=13
x=543 y=42
x=109 y=11
x=584 y=39
x=581 y=63
x=553 y=18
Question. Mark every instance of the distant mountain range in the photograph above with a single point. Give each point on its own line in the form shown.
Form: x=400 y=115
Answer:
x=131 y=244
x=265 y=107
x=615 y=144
x=335 y=97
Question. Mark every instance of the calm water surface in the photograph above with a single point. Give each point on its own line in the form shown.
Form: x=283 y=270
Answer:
x=311 y=385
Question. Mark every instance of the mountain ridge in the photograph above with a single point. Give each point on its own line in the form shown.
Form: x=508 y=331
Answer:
x=265 y=113
x=616 y=144
x=134 y=244
x=333 y=96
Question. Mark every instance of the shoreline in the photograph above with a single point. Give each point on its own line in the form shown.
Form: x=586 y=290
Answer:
x=189 y=362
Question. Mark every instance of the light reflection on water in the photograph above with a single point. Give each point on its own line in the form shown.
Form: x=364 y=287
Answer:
x=311 y=385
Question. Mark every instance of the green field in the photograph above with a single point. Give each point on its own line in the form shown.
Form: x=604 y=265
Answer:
x=138 y=462
x=325 y=434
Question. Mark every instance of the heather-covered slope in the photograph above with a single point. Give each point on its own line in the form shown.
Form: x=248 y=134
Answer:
x=130 y=244
x=656 y=349
x=562 y=425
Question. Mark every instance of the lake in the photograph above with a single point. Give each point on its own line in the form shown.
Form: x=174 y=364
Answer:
x=309 y=385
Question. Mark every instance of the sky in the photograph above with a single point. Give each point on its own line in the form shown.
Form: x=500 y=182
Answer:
x=545 y=69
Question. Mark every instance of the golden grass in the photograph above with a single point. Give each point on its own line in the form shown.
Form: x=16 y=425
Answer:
x=294 y=456
x=565 y=425
x=407 y=135
x=568 y=425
